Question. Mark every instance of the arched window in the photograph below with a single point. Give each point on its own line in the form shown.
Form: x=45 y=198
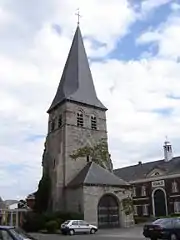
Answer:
x=93 y=122
x=80 y=119
x=52 y=125
x=60 y=121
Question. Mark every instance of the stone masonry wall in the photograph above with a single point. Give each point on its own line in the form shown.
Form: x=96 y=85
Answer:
x=75 y=200
x=92 y=195
x=77 y=137
x=55 y=152
x=61 y=142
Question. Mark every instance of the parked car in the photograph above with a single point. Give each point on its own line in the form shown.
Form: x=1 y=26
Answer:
x=163 y=228
x=12 y=233
x=77 y=226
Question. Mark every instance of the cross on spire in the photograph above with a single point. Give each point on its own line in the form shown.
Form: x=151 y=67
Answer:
x=78 y=16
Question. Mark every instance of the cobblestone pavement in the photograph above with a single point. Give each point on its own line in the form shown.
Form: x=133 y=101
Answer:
x=122 y=234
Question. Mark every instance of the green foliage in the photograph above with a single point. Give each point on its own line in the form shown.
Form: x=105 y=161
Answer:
x=21 y=203
x=51 y=226
x=42 y=195
x=99 y=153
x=63 y=216
x=140 y=219
x=33 y=222
x=175 y=215
x=127 y=204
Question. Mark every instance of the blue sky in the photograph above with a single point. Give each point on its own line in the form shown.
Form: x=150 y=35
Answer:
x=127 y=48
x=133 y=48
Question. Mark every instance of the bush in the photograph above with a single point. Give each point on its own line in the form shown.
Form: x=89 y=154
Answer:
x=51 y=226
x=71 y=216
x=33 y=222
x=175 y=215
x=59 y=222
x=63 y=216
x=140 y=219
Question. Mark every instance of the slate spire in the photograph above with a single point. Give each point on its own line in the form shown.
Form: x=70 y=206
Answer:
x=76 y=83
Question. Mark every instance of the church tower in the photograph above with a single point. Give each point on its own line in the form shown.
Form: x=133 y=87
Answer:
x=76 y=118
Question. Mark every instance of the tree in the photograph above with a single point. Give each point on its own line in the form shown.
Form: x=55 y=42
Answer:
x=98 y=153
x=22 y=204
x=127 y=206
x=42 y=196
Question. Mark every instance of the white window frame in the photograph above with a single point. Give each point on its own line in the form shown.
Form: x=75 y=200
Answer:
x=174 y=187
x=145 y=210
x=93 y=122
x=80 y=119
x=135 y=210
x=143 y=191
x=134 y=191
x=176 y=206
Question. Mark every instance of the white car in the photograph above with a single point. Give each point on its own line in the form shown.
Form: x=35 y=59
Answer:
x=77 y=226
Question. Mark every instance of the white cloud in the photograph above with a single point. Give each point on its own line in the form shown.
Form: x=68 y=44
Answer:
x=175 y=6
x=166 y=36
x=149 y=5
x=132 y=90
x=5 y=17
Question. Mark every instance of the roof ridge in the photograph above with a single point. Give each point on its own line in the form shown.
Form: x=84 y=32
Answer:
x=90 y=166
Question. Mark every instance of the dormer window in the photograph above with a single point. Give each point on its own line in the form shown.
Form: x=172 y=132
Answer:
x=143 y=191
x=80 y=120
x=93 y=122
x=60 y=121
x=174 y=187
x=52 y=125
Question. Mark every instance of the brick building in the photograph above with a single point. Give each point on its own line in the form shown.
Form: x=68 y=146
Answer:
x=156 y=185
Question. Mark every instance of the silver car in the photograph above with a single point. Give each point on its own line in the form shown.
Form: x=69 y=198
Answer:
x=77 y=226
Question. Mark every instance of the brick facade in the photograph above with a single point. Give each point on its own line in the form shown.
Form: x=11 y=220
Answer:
x=172 y=195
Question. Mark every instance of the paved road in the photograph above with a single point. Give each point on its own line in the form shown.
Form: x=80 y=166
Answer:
x=87 y=237
x=121 y=234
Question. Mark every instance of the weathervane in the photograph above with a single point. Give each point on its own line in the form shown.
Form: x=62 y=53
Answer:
x=78 y=15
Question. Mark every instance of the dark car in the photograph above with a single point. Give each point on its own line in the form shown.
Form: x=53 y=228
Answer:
x=12 y=233
x=163 y=228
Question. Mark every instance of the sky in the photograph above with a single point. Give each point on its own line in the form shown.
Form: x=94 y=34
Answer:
x=134 y=54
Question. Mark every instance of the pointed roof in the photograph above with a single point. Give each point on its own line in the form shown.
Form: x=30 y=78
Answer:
x=76 y=82
x=93 y=174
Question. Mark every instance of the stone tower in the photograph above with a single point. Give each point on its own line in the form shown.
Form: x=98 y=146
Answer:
x=76 y=118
